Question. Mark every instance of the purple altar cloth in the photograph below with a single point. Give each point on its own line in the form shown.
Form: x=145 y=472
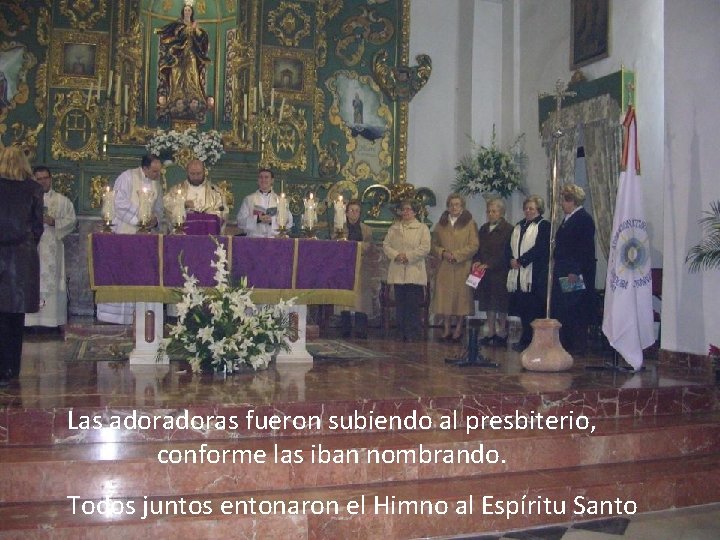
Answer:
x=267 y=262
x=326 y=264
x=201 y=224
x=197 y=254
x=145 y=268
x=127 y=260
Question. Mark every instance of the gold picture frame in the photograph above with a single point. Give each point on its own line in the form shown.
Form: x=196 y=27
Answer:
x=78 y=59
x=589 y=36
x=290 y=72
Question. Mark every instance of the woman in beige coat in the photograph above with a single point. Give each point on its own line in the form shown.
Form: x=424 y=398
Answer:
x=406 y=245
x=454 y=242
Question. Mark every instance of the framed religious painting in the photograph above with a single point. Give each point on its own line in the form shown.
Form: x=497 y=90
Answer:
x=78 y=59
x=290 y=72
x=589 y=35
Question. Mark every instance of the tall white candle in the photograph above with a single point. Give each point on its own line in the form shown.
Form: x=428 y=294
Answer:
x=116 y=99
x=180 y=212
x=144 y=206
x=282 y=217
x=262 y=99
x=109 y=84
x=310 y=216
x=245 y=106
x=282 y=108
x=272 y=100
x=127 y=100
x=339 y=213
x=108 y=205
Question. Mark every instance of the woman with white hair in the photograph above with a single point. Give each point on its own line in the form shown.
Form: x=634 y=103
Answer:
x=574 y=304
x=492 y=294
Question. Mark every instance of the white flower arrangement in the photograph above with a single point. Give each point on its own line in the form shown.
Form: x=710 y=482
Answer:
x=221 y=329
x=488 y=170
x=207 y=146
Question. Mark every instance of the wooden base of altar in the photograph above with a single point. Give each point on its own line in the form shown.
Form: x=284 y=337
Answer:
x=545 y=352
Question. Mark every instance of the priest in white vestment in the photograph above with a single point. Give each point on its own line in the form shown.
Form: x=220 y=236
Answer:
x=257 y=216
x=128 y=187
x=59 y=221
x=201 y=195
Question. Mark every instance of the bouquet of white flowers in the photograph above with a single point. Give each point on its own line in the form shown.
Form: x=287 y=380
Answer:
x=207 y=146
x=488 y=170
x=220 y=328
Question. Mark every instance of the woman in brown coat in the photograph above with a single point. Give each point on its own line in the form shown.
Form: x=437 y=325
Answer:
x=454 y=242
x=21 y=225
x=492 y=294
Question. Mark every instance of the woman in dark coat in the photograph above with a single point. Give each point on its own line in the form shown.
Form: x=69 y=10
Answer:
x=574 y=261
x=21 y=225
x=529 y=251
x=492 y=294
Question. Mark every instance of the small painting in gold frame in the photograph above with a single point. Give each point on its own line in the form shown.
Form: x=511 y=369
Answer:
x=290 y=72
x=78 y=59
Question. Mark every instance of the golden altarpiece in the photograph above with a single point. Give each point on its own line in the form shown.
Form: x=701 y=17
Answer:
x=318 y=90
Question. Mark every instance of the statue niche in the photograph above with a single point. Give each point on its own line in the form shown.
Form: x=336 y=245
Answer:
x=182 y=67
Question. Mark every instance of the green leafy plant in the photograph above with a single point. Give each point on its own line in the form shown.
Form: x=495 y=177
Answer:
x=706 y=254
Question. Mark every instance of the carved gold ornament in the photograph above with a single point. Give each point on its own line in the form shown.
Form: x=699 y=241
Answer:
x=324 y=11
x=74 y=135
x=27 y=138
x=289 y=23
x=225 y=188
x=64 y=184
x=78 y=59
x=83 y=14
x=356 y=30
x=20 y=17
x=44 y=22
x=98 y=185
x=287 y=149
x=401 y=82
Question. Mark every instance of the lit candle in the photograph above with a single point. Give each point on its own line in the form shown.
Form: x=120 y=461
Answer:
x=180 y=212
x=310 y=216
x=282 y=108
x=282 y=210
x=262 y=99
x=109 y=84
x=127 y=100
x=272 y=100
x=339 y=213
x=108 y=204
x=143 y=210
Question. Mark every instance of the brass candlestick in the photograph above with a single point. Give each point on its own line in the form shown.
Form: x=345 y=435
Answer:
x=340 y=234
x=107 y=225
x=282 y=231
x=179 y=228
x=309 y=233
x=143 y=227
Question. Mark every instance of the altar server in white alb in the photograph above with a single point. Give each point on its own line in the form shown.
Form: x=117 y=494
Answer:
x=135 y=190
x=201 y=195
x=257 y=216
x=59 y=221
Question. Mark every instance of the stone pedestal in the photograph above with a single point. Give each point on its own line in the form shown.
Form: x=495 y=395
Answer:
x=545 y=352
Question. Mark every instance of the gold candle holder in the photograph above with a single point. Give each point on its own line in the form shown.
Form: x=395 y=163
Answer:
x=144 y=227
x=309 y=233
x=340 y=234
x=107 y=226
x=179 y=228
x=282 y=231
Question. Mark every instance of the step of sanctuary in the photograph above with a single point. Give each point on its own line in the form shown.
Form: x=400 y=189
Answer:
x=392 y=510
x=214 y=467
x=94 y=418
